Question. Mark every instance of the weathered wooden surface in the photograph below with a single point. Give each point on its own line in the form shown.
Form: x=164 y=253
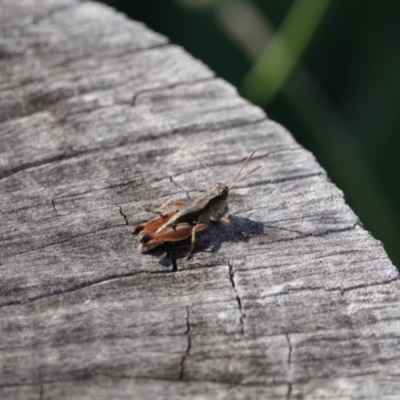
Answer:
x=101 y=117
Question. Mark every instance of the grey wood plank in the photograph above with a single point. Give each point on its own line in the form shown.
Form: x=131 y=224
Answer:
x=100 y=118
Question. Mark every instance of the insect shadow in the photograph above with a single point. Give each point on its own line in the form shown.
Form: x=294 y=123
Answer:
x=209 y=240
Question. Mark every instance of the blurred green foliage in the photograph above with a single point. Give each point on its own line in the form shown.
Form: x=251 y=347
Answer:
x=329 y=72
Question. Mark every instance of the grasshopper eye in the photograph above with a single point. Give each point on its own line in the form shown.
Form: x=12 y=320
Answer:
x=223 y=192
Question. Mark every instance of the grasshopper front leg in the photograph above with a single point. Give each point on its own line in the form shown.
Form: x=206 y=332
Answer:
x=197 y=228
x=228 y=222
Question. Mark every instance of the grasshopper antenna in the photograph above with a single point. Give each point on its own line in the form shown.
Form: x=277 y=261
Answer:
x=237 y=178
x=242 y=177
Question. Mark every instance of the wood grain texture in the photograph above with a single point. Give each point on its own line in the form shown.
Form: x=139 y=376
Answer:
x=101 y=118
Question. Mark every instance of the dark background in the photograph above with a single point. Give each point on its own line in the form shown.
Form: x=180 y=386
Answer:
x=339 y=97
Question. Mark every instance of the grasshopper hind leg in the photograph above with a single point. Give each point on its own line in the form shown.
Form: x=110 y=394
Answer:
x=149 y=240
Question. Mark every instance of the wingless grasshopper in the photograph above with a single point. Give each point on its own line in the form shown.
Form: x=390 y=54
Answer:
x=192 y=218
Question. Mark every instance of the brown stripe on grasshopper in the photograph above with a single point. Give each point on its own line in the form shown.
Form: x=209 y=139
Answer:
x=192 y=218
x=153 y=224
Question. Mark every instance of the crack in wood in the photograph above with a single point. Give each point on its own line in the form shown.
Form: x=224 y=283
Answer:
x=289 y=360
x=364 y=286
x=328 y=255
x=5 y=173
x=289 y=391
x=10 y=303
x=114 y=53
x=168 y=87
x=123 y=215
x=239 y=302
x=312 y=234
x=189 y=345
x=213 y=126
x=84 y=285
x=64 y=241
x=38 y=163
x=280 y=228
x=41 y=391
x=289 y=290
x=287 y=179
x=74 y=288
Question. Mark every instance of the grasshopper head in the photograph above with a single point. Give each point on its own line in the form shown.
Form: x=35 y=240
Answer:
x=220 y=191
x=219 y=196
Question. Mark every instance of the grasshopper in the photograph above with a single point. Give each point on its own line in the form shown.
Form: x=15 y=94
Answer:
x=192 y=218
